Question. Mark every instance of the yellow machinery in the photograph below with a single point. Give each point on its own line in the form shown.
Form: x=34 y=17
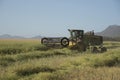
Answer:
x=78 y=40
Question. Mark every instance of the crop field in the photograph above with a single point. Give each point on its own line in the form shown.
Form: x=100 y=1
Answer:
x=27 y=59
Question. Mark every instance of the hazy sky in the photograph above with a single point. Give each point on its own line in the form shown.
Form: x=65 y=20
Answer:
x=53 y=17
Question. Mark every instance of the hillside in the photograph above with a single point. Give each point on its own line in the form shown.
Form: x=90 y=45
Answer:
x=7 y=36
x=37 y=37
x=111 y=31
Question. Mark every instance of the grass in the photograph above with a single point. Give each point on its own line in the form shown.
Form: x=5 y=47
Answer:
x=37 y=62
x=11 y=46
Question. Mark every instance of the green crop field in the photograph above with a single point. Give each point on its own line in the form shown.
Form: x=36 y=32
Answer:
x=27 y=59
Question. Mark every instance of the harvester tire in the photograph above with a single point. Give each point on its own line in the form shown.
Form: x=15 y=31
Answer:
x=81 y=47
x=64 y=42
x=103 y=49
x=94 y=50
x=44 y=41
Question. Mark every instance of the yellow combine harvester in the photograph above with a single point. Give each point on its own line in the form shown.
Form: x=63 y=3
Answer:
x=78 y=40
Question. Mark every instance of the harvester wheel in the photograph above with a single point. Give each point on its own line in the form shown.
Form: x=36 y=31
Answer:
x=79 y=46
x=64 y=42
x=103 y=49
x=94 y=50
x=44 y=41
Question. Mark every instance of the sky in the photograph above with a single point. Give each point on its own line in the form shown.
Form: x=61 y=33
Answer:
x=30 y=18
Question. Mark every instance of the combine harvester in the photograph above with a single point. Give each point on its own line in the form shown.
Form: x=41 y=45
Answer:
x=78 y=41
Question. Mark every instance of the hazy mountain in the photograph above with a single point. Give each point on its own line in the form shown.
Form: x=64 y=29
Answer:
x=112 y=31
x=7 y=36
x=37 y=37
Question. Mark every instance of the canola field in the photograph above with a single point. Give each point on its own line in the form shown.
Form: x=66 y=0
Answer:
x=27 y=59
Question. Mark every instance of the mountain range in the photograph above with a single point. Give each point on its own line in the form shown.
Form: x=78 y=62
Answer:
x=112 y=31
x=7 y=36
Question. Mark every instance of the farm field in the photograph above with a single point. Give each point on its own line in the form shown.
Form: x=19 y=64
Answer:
x=27 y=59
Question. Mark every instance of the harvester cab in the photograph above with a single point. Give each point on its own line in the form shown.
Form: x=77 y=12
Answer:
x=76 y=36
x=76 y=39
